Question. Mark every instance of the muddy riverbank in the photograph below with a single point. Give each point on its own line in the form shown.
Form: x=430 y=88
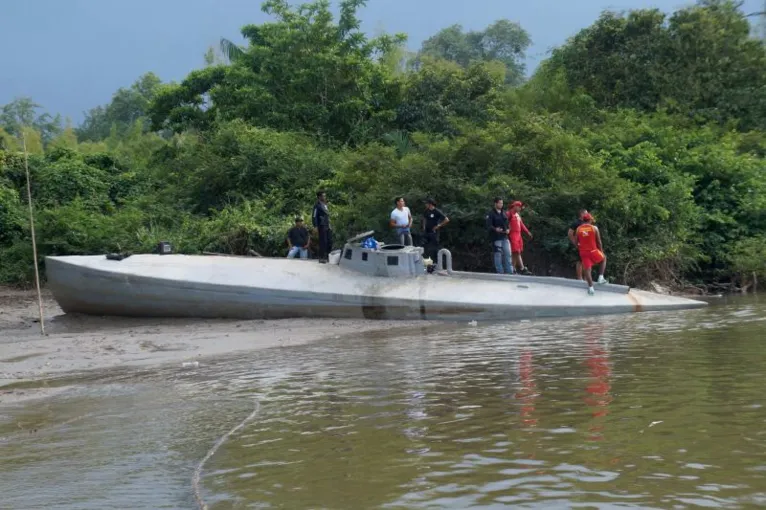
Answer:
x=76 y=343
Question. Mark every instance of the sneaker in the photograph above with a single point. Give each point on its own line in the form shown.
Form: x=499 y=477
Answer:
x=601 y=280
x=591 y=291
x=526 y=272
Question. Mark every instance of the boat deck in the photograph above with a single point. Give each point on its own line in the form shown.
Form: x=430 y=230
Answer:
x=188 y=285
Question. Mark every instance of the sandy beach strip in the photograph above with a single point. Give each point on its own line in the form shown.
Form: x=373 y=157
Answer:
x=75 y=343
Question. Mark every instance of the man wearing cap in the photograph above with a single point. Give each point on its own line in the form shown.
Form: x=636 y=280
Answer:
x=298 y=240
x=433 y=221
x=516 y=227
x=497 y=225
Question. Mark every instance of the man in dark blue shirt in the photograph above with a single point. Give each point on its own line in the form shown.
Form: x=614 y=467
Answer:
x=320 y=218
x=497 y=225
x=433 y=221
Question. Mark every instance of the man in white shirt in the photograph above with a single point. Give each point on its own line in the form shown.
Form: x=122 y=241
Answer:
x=401 y=220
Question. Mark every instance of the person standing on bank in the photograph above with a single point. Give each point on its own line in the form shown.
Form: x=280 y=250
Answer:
x=591 y=251
x=497 y=225
x=516 y=227
x=298 y=240
x=433 y=221
x=320 y=218
x=401 y=220
x=573 y=239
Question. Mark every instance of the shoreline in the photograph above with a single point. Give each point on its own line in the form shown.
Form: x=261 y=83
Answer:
x=78 y=343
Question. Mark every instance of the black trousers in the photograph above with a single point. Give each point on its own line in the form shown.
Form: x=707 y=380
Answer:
x=431 y=245
x=325 y=242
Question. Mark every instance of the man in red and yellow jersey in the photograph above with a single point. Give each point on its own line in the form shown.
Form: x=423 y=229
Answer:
x=591 y=250
x=516 y=227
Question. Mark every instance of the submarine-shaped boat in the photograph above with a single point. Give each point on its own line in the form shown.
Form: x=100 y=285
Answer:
x=381 y=282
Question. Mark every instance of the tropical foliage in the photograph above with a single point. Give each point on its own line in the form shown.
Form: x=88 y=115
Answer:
x=653 y=122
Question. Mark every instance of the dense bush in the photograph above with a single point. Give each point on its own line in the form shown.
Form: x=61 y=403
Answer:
x=662 y=141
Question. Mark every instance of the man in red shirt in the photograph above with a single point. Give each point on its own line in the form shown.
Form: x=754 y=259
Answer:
x=572 y=250
x=591 y=250
x=516 y=226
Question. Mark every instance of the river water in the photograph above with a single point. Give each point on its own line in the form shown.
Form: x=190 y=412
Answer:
x=641 y=411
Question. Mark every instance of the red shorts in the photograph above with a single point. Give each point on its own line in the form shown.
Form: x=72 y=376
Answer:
x=517 y=244
x=591 y=258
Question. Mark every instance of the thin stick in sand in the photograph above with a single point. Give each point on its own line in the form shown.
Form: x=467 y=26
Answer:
x=32 y=229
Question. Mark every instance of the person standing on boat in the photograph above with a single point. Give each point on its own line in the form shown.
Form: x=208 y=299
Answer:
x=573 y=253
x=497 y=225
x=401 y=220
x=516 y=227
x=591 y=250
x=298 y=240
x=320 y=218
x=433 y=221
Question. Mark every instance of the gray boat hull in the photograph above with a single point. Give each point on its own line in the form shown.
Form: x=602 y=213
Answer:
x=264 y=288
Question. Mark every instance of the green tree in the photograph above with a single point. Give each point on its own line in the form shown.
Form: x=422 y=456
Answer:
x=67 y=139
x=7 y=141
x=442 y=94
x=127 y=106
x=240 y=162
x=652 y=122
x=701 y=62
x=746 y=258
x=230 y=50
x=32 y=139
x=504 y=41
x=213 y=57
x=302 y=72
x=12 y=220
x=22 y=112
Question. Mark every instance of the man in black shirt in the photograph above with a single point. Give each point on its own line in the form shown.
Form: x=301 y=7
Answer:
x=433 y=221
x=497 y=225
x=320 y=218
x=573 y=252
x=298 y=240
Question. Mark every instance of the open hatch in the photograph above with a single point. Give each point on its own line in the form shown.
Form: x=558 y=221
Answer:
x=392 y=260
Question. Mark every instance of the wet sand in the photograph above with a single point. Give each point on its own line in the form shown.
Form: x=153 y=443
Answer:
x=75 y=343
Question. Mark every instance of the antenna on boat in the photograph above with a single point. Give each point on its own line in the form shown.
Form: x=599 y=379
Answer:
x=32 y=229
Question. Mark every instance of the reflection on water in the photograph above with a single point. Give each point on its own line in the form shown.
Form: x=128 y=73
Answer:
x=528 y=393
x=597 y=397
x=645 y=411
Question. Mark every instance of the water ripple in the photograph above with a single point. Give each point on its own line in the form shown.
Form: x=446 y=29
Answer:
x=642 y=411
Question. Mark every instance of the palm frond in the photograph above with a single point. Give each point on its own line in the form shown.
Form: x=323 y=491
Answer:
x=400 y=140
x=231 y=51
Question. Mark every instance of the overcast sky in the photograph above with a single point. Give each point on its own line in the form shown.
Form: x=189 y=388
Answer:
x=71 y=55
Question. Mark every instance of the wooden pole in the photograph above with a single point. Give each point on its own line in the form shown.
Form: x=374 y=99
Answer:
x=32 y=229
